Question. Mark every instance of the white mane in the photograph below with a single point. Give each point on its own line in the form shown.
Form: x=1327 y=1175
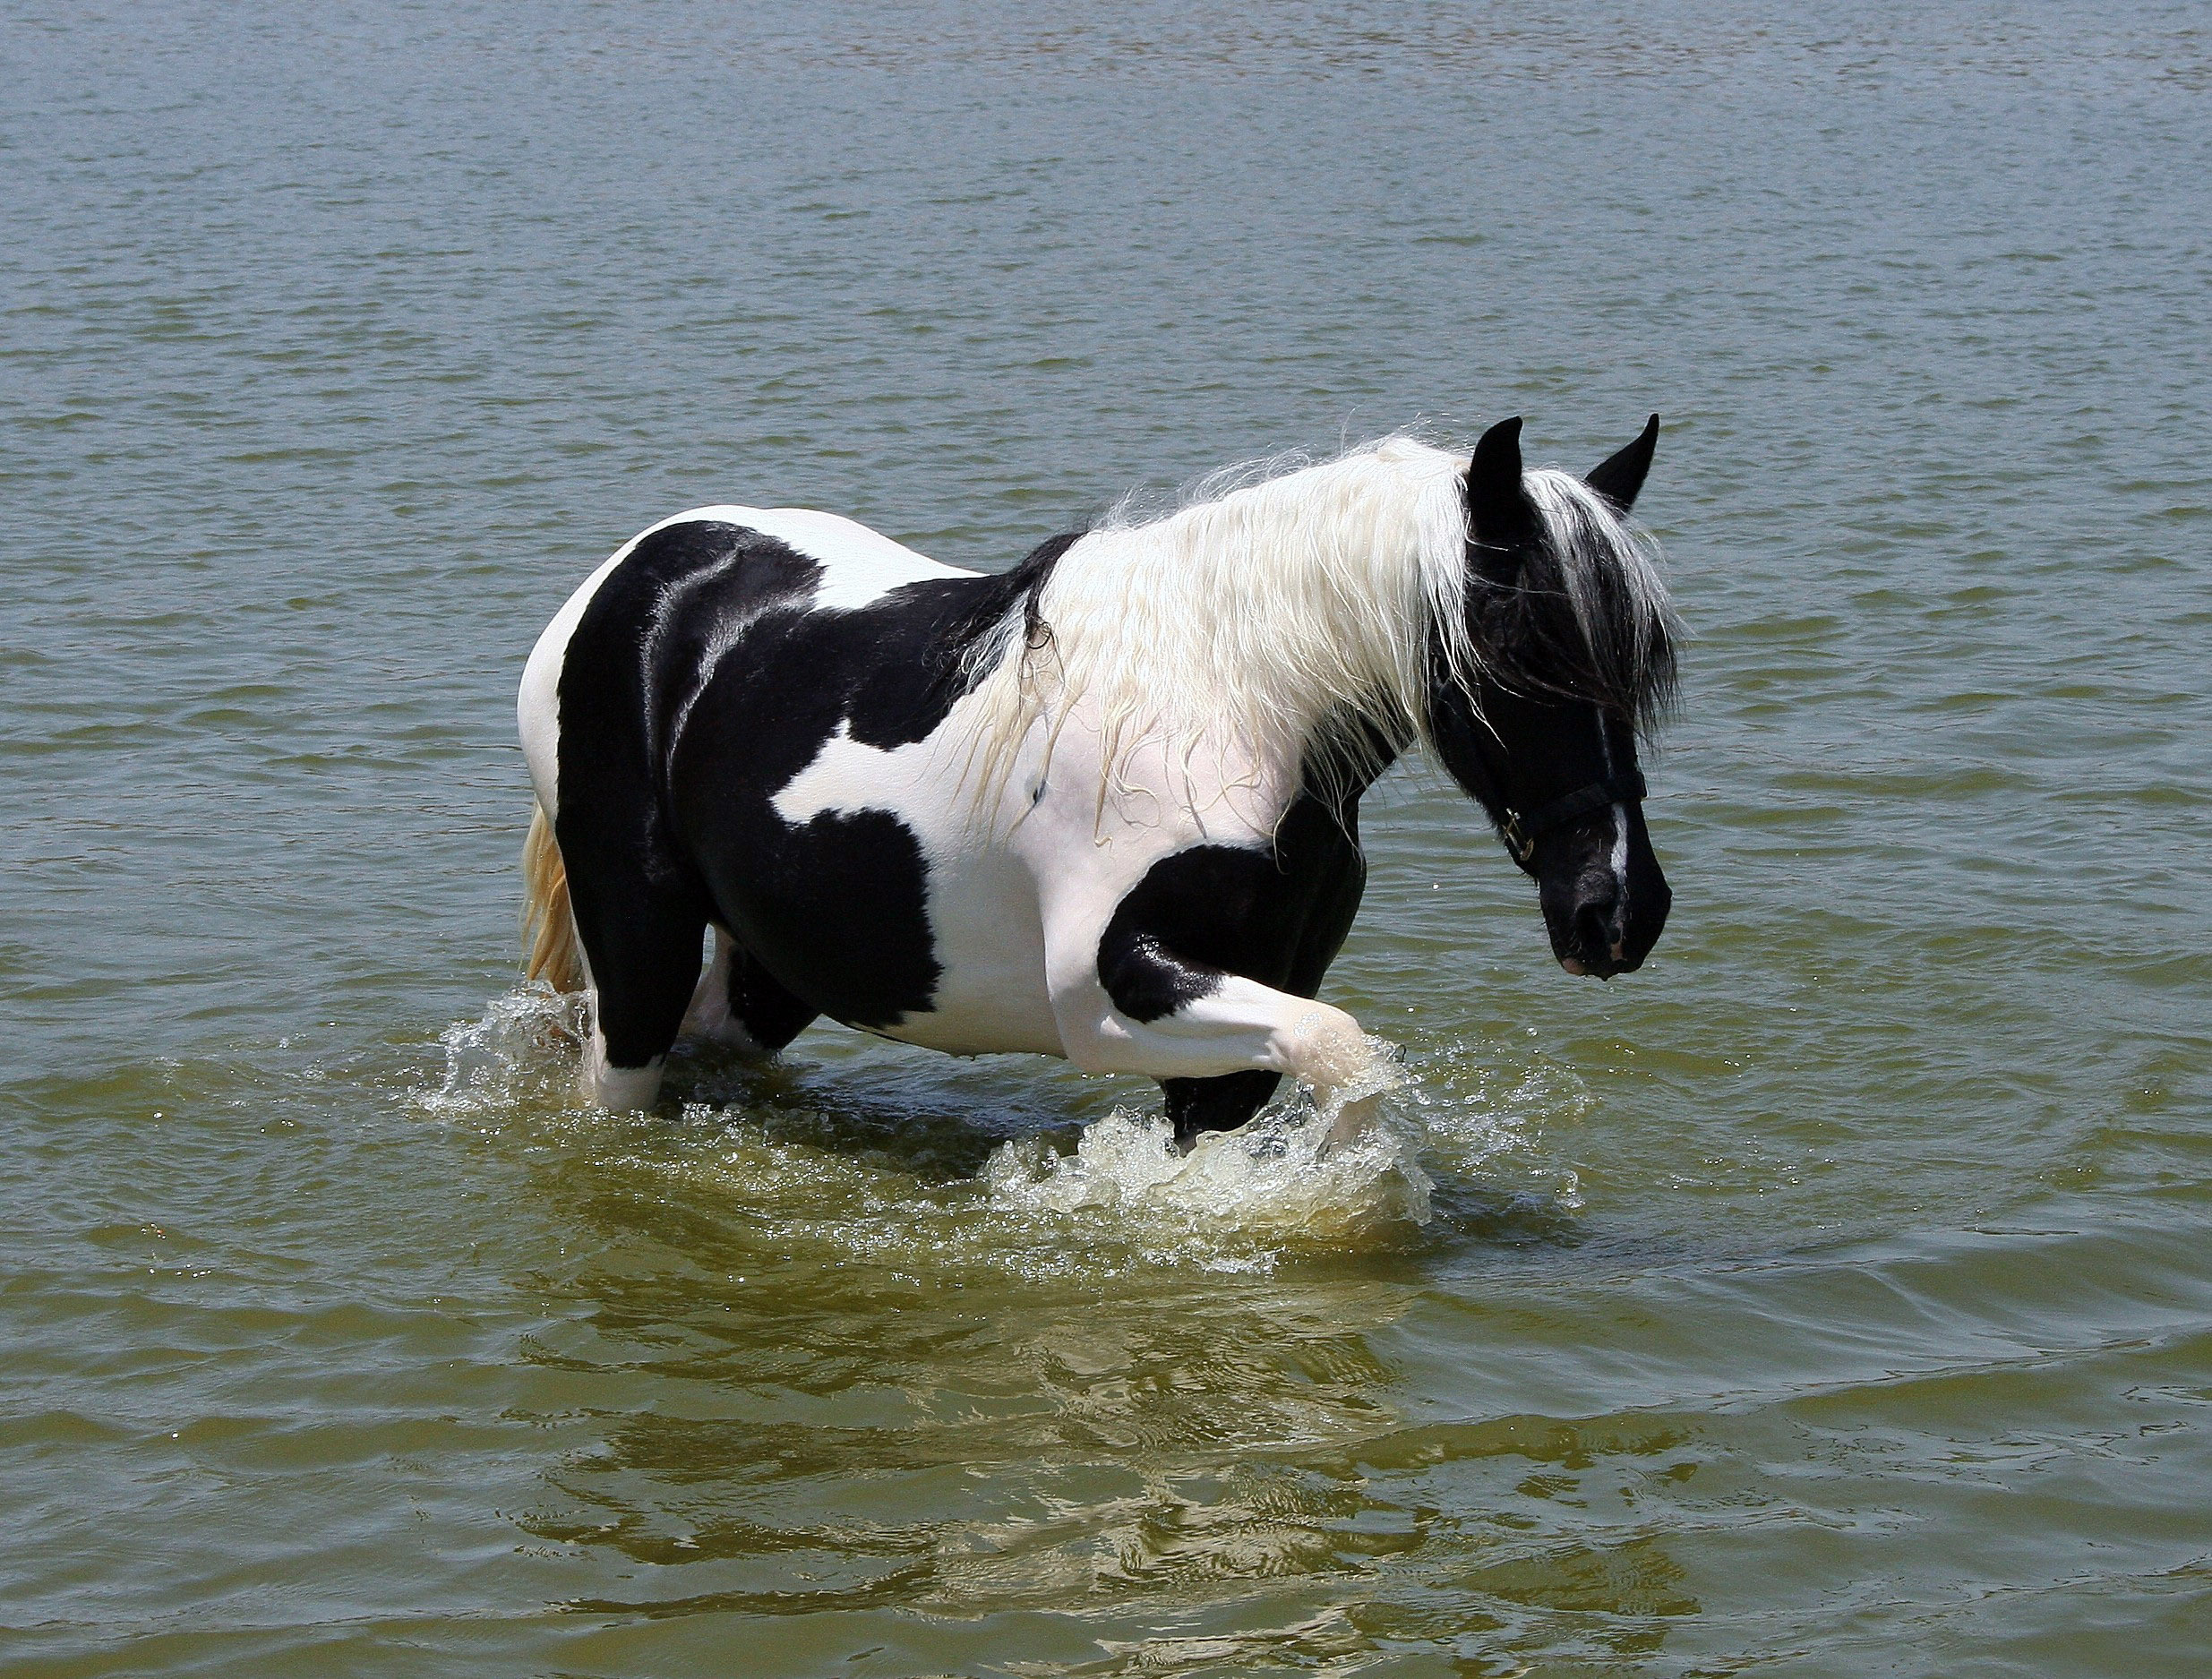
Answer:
x=1241 y=627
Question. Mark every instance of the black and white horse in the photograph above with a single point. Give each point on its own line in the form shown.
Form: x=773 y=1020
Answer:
x=1103 y=805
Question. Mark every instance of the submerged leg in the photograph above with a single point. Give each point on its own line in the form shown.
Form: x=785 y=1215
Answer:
x=1221 y=1103
x=741 y=1005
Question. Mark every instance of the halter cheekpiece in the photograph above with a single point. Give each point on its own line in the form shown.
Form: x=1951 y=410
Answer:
x=1520 y=832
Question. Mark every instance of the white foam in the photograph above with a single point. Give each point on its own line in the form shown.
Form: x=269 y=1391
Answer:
x=1280 y=1177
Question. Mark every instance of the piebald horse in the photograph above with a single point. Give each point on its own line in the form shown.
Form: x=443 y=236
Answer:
x=1103 y=805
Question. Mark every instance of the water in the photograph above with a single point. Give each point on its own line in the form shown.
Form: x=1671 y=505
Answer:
x=1828 y=1298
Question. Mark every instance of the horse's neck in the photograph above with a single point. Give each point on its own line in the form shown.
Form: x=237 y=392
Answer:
x=1246 y=631
x=1348 y=755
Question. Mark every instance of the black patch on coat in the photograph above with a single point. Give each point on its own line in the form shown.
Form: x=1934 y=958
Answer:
x=771 y=1016
x=922 y=634
x=701 y=678
x=1147 y=981
x=1277 y=915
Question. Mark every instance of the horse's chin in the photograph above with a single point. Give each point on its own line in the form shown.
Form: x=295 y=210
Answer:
x=1583 y=971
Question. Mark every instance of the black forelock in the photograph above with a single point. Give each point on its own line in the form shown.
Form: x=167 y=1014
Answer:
x=1615 y=648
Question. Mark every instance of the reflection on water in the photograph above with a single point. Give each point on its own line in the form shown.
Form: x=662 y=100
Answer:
x=897 y=1360
x=991 y=1453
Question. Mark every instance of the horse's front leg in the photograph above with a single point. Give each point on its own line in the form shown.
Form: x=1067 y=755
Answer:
x=1127 y=1003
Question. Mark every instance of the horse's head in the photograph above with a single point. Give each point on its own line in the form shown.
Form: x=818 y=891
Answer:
x=1567 y=655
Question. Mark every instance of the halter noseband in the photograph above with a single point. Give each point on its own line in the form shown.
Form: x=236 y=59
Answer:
x=1521 y=832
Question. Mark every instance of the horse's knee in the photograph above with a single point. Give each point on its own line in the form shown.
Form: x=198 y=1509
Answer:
x=1323 y=1047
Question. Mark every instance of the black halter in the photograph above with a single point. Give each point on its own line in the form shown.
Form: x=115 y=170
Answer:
x=1520 y=832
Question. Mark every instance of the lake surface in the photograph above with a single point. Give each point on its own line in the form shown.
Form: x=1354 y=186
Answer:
x=1833 y=1297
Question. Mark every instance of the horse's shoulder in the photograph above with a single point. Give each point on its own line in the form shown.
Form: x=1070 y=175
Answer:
x=1272 y=908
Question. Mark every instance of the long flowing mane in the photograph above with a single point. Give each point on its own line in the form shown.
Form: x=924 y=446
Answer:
x=1300 y=617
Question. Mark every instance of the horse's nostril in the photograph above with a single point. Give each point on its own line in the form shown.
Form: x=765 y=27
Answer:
x=1593 y=930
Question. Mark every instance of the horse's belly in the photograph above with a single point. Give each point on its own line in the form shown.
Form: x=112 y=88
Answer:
x=984 y=1013
x=990 y=995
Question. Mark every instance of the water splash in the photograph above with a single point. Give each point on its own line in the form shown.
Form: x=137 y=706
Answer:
x=520 y=1052
x=1123 y=1199
x=1286 y=1176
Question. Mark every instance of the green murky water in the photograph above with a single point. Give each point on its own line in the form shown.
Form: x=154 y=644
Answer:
x=1832 y=1298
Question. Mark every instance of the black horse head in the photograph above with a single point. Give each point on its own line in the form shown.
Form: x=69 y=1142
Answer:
x=1568 y=655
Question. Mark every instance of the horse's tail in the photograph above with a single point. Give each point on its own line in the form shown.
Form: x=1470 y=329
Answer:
x=548 y=925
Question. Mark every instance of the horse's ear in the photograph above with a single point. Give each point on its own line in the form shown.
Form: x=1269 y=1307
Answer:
x=1501 y=520
x=1622 y=474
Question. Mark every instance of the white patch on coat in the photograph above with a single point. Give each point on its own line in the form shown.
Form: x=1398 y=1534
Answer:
x=980 y=901
x=620 y=1088
x=1019 y=896
x=859 y=565
x=537 y=707
x=1620 y=859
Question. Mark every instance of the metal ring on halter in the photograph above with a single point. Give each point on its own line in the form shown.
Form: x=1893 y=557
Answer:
x=1521 y=832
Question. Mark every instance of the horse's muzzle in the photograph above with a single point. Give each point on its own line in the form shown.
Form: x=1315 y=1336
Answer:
x=1603 y=930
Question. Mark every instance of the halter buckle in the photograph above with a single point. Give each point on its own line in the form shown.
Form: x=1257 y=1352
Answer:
x=1519 y=845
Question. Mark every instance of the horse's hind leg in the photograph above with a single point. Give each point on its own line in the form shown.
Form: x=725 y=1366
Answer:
x=643 y=948
x=740 y=1004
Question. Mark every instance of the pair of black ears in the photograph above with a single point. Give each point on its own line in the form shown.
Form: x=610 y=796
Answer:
x=1498 y=510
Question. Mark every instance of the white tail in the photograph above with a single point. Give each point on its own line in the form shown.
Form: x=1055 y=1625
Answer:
x=548 y=928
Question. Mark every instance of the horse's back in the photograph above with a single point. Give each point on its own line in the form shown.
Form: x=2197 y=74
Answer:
x=709 y=564
x=857 y=565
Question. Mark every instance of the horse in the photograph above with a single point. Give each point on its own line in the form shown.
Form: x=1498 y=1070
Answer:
x=1102 y=805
